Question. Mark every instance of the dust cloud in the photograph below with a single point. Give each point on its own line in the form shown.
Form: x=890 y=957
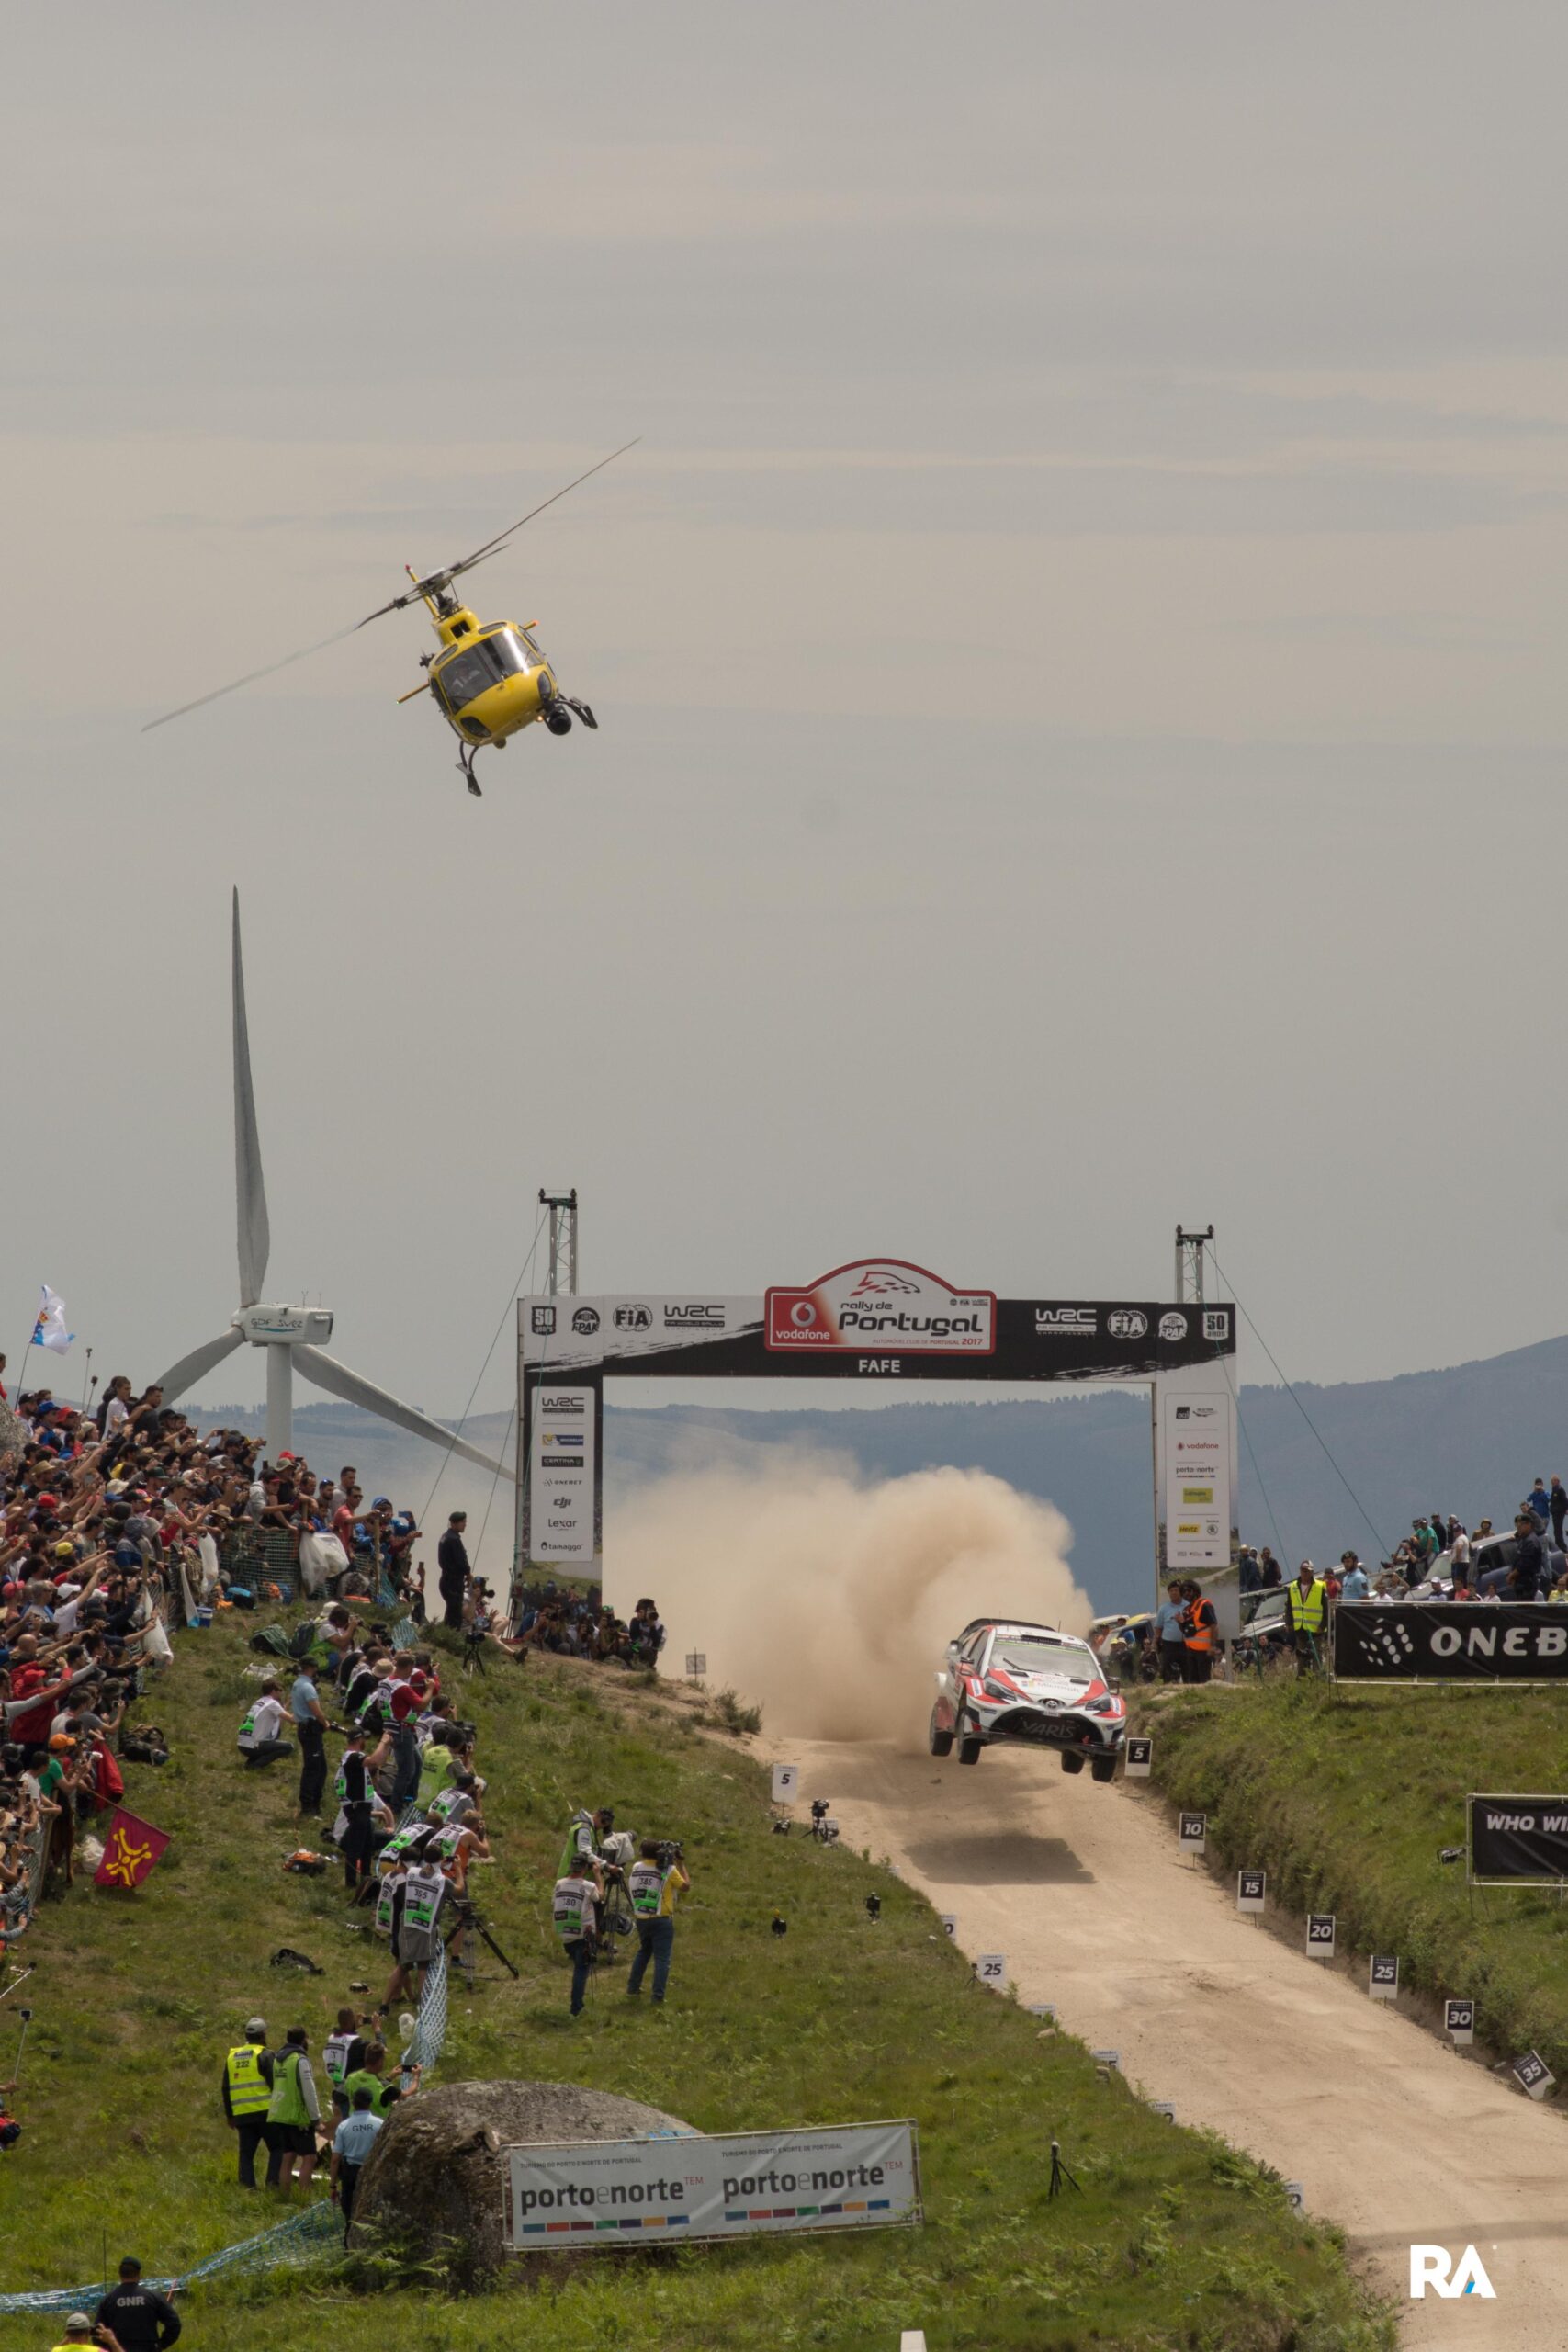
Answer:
x=831 y=1600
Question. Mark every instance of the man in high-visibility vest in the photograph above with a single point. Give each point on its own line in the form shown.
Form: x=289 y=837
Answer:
x=654 y=1884
x=80 y=2337
x=1306 y=1611
x=293 y=2112
x=574 y=1909
x=247 y=2088
x=1199 y=1628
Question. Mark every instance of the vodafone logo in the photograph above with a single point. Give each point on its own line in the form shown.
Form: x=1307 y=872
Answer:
x=803 y=1315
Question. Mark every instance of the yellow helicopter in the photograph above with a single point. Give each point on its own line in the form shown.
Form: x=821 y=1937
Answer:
x=489 y=678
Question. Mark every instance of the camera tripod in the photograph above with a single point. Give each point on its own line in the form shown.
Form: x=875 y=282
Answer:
x=467 y=1916
x=1060 y=2176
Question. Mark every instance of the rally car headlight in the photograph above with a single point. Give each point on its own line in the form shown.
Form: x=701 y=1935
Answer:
x=1109 y=1706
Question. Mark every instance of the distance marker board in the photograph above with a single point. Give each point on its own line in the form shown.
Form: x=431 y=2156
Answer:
x=1383 y=1976
x=991 y=1967
x=1532 y=2074
x=1459 y=2022
x=1192 y=1832
x=1138 y=1754
x=1250 y=1888
x=1320 y=1934
x=786 y=1779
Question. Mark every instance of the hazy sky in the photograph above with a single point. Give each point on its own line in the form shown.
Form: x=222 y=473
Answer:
x=1077 y=655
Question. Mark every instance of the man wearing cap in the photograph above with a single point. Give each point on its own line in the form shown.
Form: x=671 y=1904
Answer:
x=142 y=2320
x=79 y=2331
x=247 y=2090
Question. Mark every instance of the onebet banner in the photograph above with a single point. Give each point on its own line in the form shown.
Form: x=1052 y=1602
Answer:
x=881 y=1303
x=579 y=2196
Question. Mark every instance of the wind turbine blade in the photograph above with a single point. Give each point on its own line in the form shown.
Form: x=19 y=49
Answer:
x=325 y=1372
x=190 y=1369
x=255 y=1234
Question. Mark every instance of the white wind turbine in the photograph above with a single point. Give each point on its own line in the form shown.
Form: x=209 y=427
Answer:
x=287 y=1333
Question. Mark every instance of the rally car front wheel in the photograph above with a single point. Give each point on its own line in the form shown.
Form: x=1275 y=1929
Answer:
x=1103 y=1767
x=940 y=1741
x=1070 y=1762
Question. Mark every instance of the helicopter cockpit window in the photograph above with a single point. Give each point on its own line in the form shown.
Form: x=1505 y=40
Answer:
x=480 y=666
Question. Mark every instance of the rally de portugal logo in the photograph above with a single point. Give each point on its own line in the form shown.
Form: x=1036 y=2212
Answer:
x=1434 y=2267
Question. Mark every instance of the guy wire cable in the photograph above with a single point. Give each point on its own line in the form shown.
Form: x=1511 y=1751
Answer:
x=490 y=1502
x=484 y=1367
x=1383 y=1546
x=1247 y=1441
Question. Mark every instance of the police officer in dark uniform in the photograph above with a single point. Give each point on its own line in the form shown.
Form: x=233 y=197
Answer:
x=452 y=1564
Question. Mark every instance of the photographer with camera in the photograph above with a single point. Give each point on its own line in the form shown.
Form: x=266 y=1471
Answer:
x=580 y=1889
x=655 y=1881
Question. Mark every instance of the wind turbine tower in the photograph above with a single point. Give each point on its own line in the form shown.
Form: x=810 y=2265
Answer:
x=291 y=1335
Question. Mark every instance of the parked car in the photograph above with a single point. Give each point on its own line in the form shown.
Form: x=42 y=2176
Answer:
x=1028 y=1686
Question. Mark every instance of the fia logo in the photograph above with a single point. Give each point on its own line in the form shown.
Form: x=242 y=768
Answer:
x=1433 y=2266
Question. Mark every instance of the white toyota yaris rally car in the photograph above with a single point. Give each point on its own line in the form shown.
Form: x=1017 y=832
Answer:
x=1027 y=1686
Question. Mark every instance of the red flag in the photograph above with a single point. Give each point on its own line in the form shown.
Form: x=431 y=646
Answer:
x=131 y=1849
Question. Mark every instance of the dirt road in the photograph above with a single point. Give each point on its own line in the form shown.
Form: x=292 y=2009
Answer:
x=1389 y=2134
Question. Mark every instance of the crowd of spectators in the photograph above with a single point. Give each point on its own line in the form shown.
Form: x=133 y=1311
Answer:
x=574 y=1624
x=1440 y=1559
x=114 y=1523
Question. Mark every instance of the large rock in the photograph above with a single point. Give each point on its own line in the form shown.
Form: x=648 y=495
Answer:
x=436 y=2180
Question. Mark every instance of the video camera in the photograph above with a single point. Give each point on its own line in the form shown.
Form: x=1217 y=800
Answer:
x=671 y=1851
x=821 y=1808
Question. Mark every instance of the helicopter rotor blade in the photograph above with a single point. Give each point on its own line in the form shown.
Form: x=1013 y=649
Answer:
x=466 y=562
x=252 y=676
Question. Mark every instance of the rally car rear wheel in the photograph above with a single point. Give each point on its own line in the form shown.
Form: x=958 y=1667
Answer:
x=1071 y=1763
x=1103 y=1767
x=942 y=1741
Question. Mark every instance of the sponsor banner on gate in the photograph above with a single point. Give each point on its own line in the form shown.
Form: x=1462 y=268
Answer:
x=1437 y=1641
x=1199 y=1478
x=1519 y=1841
x=878 y=1318
x=562 y=1481
x=583 y=2194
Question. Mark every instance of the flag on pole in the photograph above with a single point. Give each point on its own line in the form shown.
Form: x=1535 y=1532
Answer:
x=50 y=1331
x=130 y=1851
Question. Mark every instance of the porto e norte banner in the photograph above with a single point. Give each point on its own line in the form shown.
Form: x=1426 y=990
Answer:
x=1437 y=1641
x=593 y=2193
x=1518 y=1837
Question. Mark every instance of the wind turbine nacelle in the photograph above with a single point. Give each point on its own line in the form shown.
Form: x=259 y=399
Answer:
x=289 y=1327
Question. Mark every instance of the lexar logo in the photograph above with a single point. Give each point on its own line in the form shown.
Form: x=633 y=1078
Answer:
x=1433 y=2266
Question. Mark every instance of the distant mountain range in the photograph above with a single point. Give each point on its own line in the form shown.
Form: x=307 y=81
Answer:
x=1468 y=1440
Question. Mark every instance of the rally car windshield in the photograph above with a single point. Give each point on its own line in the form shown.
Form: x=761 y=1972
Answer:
x=1038 y=1656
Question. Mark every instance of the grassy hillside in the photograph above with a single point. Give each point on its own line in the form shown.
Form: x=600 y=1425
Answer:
x=1345 y=1799
x=1175 y=2240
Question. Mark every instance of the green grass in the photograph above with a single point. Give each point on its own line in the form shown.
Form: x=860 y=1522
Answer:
x=1176 y=2240
x=1345 y=1797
